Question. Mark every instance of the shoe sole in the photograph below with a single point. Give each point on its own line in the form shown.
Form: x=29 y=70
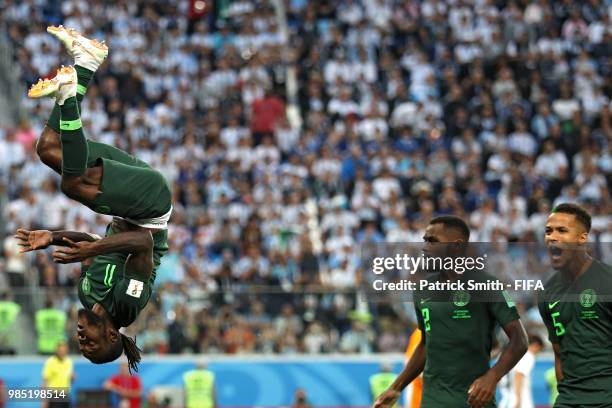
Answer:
x=95 y=49
x=50 y=87
x=44 y=87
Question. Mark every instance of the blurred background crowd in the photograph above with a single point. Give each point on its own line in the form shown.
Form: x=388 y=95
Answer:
x=293 y=132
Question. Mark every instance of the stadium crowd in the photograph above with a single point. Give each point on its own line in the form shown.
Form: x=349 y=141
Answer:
x=491 y=110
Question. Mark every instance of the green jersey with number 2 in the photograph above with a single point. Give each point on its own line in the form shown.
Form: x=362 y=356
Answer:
x=459 y=328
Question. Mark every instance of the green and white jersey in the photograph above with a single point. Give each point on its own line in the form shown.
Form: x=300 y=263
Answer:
x=459 y=329
x=580 y=322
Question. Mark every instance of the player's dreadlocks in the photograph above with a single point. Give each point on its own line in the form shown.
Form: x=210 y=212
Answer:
x=132 y=352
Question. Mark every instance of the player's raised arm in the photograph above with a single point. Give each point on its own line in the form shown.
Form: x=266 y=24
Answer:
x=413 y=368
x=131 y=242
x=483 y=389
x=138 y=243
x=41 y=239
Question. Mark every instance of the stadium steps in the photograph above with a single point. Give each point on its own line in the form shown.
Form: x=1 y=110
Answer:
x=11 y=90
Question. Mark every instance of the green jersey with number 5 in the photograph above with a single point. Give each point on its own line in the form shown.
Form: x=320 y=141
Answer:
x=578 y=317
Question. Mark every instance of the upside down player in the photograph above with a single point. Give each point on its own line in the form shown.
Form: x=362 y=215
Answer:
x=577 y=309
x=118 y=270
x=117 y=277
x=458 y=333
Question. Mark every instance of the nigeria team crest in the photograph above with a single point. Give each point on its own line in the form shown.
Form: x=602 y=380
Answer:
x=461 y=298
x=588 y=297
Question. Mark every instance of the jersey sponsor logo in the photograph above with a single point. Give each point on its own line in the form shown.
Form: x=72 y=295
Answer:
x=588 y=297
x=589 y=315
x=461 y=298
x=86 y=286
x=461 y=314
x=108 y=274
x=103 y=209
x=552 y=305
x=425 y=300
x=135 y=288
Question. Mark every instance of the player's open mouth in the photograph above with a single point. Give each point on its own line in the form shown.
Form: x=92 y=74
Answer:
x=555 y=252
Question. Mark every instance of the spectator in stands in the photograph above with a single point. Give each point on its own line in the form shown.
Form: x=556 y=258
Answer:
x=15 y=263
x=316 y=339
x=126 y=387
x=178 y=336
x=359 y=338
x=154 y=338
x=266 y=111
x=287 y=320
x=239 y=337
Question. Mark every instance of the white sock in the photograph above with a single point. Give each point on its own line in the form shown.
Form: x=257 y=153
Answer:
x=87 y=62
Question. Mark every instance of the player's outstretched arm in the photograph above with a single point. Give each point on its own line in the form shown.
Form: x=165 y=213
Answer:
x=413 y=368
x=139 y=244
x=482 y=389
x=41 y=239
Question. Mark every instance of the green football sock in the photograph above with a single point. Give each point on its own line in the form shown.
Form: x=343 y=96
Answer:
x=74 y=144
x=54 y=119
x=84 y=76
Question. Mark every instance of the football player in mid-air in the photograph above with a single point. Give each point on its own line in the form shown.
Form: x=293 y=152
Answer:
x=118 y=270
x=458 y=332
x=577 y=309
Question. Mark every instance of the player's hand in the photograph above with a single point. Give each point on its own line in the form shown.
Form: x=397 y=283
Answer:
x=33 y=240
x=387 y=399
x=76 y=252
x=482 y=391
